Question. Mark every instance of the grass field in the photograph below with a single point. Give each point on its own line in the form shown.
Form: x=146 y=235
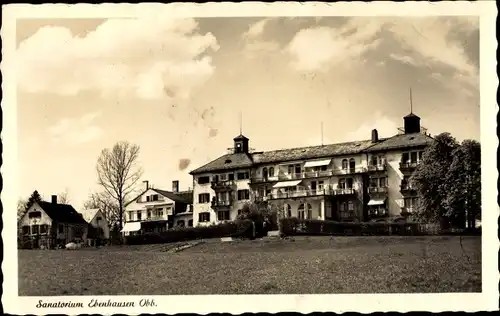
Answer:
x=305 y=265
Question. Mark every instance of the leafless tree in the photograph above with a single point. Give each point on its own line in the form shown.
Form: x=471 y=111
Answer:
x=104 y=202
x=21 y=208
x=63 y=197
x=117 y=173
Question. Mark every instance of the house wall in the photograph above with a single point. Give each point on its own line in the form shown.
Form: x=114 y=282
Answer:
x=43 y=220
x=202 y=207
x=103 y=223
x=141 y=205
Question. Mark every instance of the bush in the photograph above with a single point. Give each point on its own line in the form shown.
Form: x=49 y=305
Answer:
x=294 y=226
x=239 y=228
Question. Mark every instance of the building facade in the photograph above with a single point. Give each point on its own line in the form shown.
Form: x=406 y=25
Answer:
x=352 y=181
x=156 y=210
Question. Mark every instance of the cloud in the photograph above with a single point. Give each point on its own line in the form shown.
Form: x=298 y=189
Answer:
x=146 y=58
x=405 y=59
x=320 y=48
x=254 y=43
x=76 y=131
x=385 y=127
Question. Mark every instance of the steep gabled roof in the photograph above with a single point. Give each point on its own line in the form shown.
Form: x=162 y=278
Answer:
x=62 y=213
x=402 y=141
x=176 y=197
x=226 y=162
x=89 y=214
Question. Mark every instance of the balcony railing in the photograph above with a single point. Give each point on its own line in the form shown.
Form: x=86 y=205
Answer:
x=407 y=189
x=379 y=167
x=223 y=185
x=308 y=175
x=373 y=190
x=153 y=219
x=408 y=165
x=407 y=210
x=224 y=203
x=306 y=193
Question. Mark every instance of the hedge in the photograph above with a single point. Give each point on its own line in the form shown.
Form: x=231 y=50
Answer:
x=295 y=226
x=239 y=228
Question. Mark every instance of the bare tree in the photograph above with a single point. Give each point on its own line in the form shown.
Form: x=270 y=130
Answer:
x=105 y=203
x=118 y=172
x=21 y=208
x=63 y=197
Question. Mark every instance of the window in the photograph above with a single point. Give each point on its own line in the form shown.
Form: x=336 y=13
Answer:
x=60 y=229
x=405 y=157
x=242 y=175
x=239 y=212
x=309 y=211
x=349 y=183
x=297 y=169
x=290 y=169
x=230 y=176
x=341 y=183
x=301 y=211
x=344 y=163
x=26 y=230
x=264 y=173
x=43 y=229
x=155 y=197
x=34 y=230
x=36 y=214
x=203 y=180
x=373 y=182
x=223 y=177
x=321 y=185
x=374 y=161
x=180 y=223
x=243 y=195
x=420 y=155
x=350 y=206
x=139 y=215
x=98 y=219
x=203 y=198
x=413 y=157
x=323 y=168
x=204 y=217
x=382 y=182
x=149 y=214
x=271 y=172
x=148 y=198
x=130 y=216
x=288 y=210
x=223 y=215
x=352 y=164
x=190 y=223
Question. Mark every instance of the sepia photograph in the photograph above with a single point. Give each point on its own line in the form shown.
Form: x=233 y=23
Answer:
x=164 y=155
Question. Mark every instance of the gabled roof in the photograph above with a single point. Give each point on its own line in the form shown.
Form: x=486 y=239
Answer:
x=89 y=214
x=402 y=141
x=176 y=197
x=240 y=137
x=226 y=162
x=411 y=115
x=62 y=213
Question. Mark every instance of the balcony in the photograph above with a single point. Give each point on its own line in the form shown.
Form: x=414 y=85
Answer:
x=407 y=210
x=407 y=166
x=227 y=185
x=344 y=192
x=153 y=219
x=298 y=194
x=375 y=168
x=377 y=190
x=347 y=171
x=407 y=189
x=255 y=180
x=221 y=204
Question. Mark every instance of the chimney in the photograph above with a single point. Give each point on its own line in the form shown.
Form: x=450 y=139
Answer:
x=54 y=199
x=147 y=184
x=374 y=136
x=175 y=186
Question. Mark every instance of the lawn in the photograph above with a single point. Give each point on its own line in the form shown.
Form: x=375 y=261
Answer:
x=304 y=265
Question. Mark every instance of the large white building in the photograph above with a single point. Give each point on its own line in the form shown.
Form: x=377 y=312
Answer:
x=358 y=180
x=156 y=210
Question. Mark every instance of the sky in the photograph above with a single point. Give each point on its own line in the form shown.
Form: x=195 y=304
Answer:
x=178 y=88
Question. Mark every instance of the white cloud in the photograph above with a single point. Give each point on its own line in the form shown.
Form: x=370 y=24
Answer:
x=148 y=58
x=319 y=48
x=76 y=131
x=254 y=43
x=384 y=126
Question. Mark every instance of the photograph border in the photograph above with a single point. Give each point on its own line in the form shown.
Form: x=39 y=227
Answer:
x=236 y=304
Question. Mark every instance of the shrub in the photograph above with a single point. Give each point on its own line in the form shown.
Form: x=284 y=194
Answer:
x=294 y=226
x=239 y=228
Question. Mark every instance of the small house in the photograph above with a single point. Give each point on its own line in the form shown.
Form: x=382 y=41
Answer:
x=98 y=230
